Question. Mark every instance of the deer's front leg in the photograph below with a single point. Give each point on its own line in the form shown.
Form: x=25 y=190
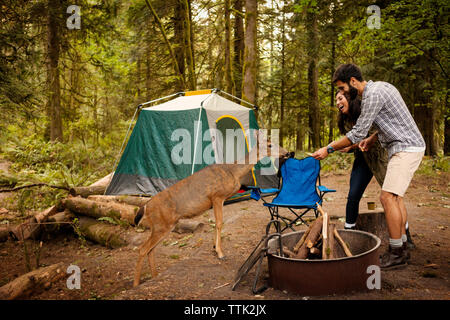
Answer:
x=218 y=215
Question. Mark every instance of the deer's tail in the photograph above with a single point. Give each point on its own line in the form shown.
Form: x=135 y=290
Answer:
x=139 y=215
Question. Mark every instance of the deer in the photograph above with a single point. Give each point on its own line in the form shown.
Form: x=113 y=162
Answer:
x=217 y=183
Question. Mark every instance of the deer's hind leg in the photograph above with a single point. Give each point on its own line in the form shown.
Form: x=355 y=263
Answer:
x=147 y=249
x=218 y=215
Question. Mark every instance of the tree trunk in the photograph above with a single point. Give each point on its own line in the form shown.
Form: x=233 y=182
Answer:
x=32 y=282
x=229 y=87
x=148 y=82
x=103 y=233
x=300 y=132
x=179 y=47
x=180 y=75
x=250 y=52
x=332 y=99
x=53 y=85
x=97 y=210
x=373 y=221
x=189 y=36
x=283 y=79
x=238 y=47
x=446 y=122
x=313 y=75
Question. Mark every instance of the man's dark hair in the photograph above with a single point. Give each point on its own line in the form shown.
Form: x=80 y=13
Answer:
x=345 y=71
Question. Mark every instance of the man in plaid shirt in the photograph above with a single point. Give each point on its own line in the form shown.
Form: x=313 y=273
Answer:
x=383 y=106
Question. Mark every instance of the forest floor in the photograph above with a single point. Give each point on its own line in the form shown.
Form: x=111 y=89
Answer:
x=188 y=267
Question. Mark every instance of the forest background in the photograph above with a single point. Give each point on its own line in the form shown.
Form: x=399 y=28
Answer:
x=70 y=84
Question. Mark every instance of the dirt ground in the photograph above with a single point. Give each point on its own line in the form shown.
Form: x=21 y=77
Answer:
x=188 y=267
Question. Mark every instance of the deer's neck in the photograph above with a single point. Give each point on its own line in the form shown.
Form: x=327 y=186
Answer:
x=242 y=167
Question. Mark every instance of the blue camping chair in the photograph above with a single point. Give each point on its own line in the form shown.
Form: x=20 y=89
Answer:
x=300 y=191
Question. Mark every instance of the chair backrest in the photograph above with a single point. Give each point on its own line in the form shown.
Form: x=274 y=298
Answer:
x=299 y=181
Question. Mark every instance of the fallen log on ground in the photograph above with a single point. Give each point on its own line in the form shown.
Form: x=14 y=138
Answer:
x=132 y=200
x=32 y=282
x=97 y=188
x=97 y=209
x=59 y=222
x=103 y=233
x=30 y=229
x=44 y=215
x=87 y=191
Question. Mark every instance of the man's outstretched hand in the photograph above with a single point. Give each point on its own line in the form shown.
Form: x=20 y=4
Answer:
x=320 y=154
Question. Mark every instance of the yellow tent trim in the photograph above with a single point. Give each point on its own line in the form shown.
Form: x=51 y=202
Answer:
x=194 y=93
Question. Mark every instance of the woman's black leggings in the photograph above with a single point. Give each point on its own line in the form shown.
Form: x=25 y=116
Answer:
x=359 y=179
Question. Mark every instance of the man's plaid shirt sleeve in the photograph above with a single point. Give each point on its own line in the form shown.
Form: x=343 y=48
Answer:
x=370 y=107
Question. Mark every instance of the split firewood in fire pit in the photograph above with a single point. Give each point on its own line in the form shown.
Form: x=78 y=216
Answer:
x=315 y=251
x=326 y=250
x=342 y=243
x=312 y=236
x=288 y=252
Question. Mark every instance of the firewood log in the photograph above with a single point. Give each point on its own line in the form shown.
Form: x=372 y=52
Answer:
x=97 y=209
x=313 y=235
x=325 y=245
x=331 y=241
x=315 y=251
x=302 y=239
x=32 y=282
x=288 y=252
x=87 y=191
x=30 y=229
x=44 y=215
x=132 y=200
x=342 y=243
x=103 y=233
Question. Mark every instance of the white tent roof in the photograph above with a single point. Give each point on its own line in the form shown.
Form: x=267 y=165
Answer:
x=212 y=101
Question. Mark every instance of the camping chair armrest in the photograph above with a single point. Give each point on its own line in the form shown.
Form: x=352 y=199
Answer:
x=257 y=191
x=325 y=189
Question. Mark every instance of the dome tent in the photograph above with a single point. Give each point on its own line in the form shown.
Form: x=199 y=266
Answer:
x=176 y=138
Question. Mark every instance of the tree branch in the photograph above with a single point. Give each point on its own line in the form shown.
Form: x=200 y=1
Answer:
x=40 y=184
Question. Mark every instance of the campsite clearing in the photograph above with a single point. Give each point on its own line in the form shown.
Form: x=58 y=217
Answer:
x=188 y=268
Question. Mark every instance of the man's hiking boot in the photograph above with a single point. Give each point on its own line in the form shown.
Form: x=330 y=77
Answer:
x=393 y=259
x=409 y=241
x=406 y=251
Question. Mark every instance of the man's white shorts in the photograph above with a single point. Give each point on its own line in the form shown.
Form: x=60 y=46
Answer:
x=400 y=170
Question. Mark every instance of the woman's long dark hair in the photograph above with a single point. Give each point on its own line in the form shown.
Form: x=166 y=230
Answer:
x=354 y=110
